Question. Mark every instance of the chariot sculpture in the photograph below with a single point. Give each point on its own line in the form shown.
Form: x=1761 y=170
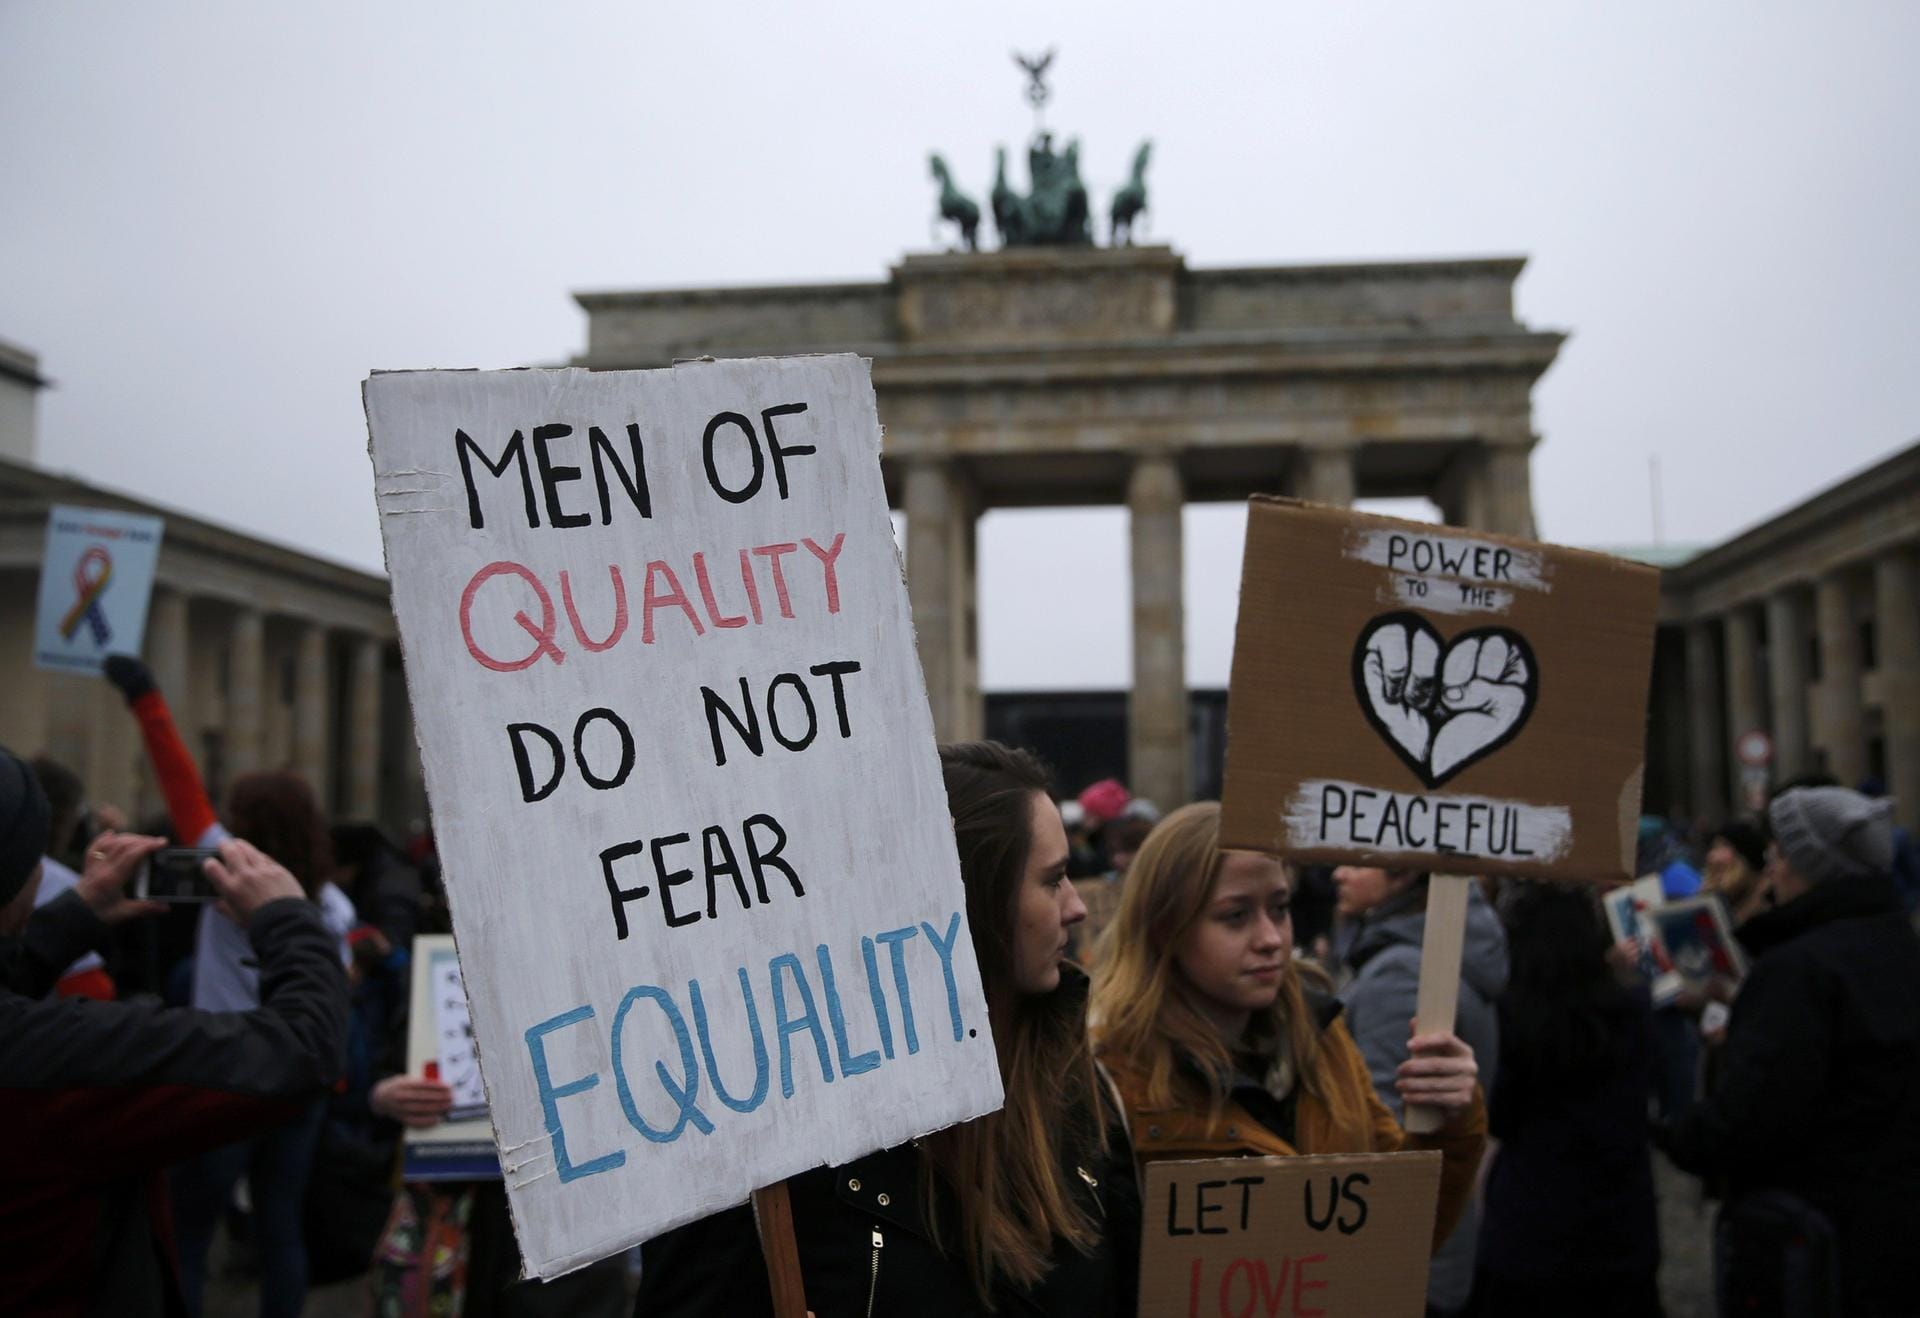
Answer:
x=1055 y=210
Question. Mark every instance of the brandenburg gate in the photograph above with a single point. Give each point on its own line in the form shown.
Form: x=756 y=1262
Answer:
x=1076 y=375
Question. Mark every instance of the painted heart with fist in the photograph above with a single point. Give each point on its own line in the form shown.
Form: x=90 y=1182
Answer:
x=1443 y=705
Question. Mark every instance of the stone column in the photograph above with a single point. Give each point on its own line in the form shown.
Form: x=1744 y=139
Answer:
x=1838 y=717
x=1324 y=474
x=1157 y=754
x=1706 y=735
x=963 y=554
x=1461 y=493
x=940 y=551
x=1509 y=486
x=310 y=709
x=1745 y=710
x=246 y=678
x=362 y=768
x=1896 y=613
x=1787 y=678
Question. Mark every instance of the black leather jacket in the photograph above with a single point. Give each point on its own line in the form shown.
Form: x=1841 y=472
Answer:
x=866 y=1250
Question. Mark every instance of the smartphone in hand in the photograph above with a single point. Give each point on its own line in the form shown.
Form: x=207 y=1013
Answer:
x=177 y=874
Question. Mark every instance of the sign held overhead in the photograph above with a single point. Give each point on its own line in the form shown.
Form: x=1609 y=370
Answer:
x=96 y=580
x=1416 y=696
x=683 y=780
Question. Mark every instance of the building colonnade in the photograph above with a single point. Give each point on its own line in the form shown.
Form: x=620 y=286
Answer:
x=1486 y=486
x=1827 y=666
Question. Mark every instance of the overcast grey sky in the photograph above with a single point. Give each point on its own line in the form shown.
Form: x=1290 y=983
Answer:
x=216 y=218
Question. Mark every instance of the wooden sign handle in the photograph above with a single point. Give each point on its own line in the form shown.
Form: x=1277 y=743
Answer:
x=773 y=1215
x=1440 y=952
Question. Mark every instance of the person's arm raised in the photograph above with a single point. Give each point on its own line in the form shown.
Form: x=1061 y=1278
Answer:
x=188 y=806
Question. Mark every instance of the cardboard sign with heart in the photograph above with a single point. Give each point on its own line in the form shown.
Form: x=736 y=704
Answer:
x=1429 y=697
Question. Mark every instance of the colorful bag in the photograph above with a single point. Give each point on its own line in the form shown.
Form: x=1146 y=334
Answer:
x=420 y=1265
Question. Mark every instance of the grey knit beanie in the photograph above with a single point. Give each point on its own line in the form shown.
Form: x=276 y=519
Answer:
x=24 y=821
x=1831 y=832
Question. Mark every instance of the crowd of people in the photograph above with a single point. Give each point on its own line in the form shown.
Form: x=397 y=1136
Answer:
x=1152 y=996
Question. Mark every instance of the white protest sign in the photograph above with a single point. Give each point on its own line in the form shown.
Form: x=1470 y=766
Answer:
x=96 y=578
x=683 y=782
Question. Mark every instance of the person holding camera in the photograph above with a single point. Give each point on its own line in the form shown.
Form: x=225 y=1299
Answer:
x=97 y=1098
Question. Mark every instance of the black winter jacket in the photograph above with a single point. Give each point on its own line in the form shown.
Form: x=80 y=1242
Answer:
x=97 y=1098
x=1819 y=1092
x=866 y=1250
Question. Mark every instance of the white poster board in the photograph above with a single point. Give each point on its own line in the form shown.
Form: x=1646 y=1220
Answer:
x=683 y=782
x=96 y=578
x=440 y=1047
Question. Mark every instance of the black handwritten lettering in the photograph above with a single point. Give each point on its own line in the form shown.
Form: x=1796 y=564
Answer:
x=748 y=731
x=621 y=896
x=764 y=860
x=633 y=482
x=515 y=451
x=517 y=733
x=671 y=879
x=553 y=477
x=805 y=739
x=621 y=730
x=720 y=487
x=779 y=451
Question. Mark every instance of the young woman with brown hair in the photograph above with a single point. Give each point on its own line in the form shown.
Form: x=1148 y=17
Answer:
x=1030 y=1210
x=1219 y=1049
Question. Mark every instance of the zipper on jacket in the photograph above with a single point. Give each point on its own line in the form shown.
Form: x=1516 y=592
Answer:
x=873 y=1286
x=1093 y=1184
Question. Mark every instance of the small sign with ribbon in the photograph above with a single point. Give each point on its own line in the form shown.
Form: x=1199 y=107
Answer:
x=96 y=578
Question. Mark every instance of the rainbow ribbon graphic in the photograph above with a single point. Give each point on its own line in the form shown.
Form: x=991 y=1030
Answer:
x=90 y=577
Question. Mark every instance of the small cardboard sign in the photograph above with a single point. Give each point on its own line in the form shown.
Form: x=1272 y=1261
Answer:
x=1345 y=1236
x=1414 y=696
x=683 y=782
x=96 y=579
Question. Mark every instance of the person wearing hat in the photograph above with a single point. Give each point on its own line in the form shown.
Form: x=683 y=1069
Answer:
x=1817 y=1111
x=98 y=1098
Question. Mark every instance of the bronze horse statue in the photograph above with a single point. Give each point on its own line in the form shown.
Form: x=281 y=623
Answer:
x=1130 y=200
x=955 y=205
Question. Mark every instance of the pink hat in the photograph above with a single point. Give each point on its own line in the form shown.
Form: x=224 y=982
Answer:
x=1105 y=800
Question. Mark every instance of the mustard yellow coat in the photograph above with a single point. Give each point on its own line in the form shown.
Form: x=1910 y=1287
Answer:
x=1350 y=1119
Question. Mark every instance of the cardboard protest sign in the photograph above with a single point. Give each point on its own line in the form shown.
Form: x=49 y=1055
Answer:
x=683 y=782
x=1346 y=1236
x=96 y=579
x=1410 y=695
x=440 y=1047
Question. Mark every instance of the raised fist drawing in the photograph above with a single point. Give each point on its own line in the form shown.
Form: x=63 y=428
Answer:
x=1484 y=690
x=1441 y=706
x=1399 y=668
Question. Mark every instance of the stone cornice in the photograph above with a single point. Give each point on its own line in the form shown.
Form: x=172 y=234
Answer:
x=19 y=364
x=1885 y=480
x=614 y=299
x=1508 y=267
x=1220 y=354
x=25 y=493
